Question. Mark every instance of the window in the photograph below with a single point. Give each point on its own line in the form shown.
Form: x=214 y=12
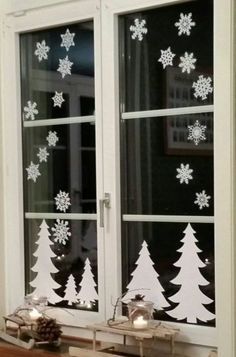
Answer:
x=138 y=117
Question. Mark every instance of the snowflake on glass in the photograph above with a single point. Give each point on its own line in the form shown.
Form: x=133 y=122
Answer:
x=187 y=62
x=138 y=29
x=43 y=154
x=52 y=138
x=58 y=99
x=197 y=132
x=61 y=231
x=202 y=199
x=33 y=172
x=30 y=110
x=202 y=87
x=166 y=57
x=64 y=66
x=184 y=173
x=62 y=201
x=67 y=40
x=185 y=24
x=42 y=50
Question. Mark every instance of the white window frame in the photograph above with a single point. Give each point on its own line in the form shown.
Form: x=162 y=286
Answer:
x=15 y=24
x=223 y=336
x=107 y=108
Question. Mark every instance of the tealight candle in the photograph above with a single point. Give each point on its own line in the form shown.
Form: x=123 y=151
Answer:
x=34 y=314
x=140 y=322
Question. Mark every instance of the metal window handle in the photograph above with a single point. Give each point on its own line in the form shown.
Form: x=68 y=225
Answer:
x=104 y=202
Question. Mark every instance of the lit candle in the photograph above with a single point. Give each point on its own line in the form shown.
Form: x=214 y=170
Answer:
x=34 y=314
x=140 y=322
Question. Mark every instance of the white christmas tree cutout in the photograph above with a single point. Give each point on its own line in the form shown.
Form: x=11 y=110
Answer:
x=190 y=298
x=145 y=281
x=71 y=291
x=87 y=294
x=43 y=283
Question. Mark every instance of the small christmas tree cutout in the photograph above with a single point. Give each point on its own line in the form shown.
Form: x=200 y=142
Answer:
x=43 y=283
x=145 y=281
x=87 y=294
x=190 y=298
x=71 y=291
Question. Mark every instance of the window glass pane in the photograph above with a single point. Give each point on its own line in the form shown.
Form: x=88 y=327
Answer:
x=163 y=53
x=70 y=167
x=67 y=262
x=195 y=282
x=166 y=163
x=166 y=62
x=58 y=60
x=59 y=165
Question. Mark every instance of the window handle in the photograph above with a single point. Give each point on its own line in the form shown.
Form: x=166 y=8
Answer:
x=104 y=202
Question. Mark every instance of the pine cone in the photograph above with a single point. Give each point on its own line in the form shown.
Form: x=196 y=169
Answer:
x=47 y=329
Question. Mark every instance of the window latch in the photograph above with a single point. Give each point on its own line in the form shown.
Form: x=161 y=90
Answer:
x=104 y=202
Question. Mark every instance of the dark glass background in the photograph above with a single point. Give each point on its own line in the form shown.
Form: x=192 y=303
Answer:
x=163 y=240
x=40 y=80
x=70 y=258
x=151 y=151
x=70 y=167
x=145 y=84
x=153 y=148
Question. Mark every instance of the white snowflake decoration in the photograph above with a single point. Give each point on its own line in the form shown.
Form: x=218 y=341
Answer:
x=67 y=40
x=184 y=173
x=52 y=138
x=64 y=66
x=187 y=62
x=33 y=171
x=58 y=99
x=42 y=50
x=43 y=154
x=202 y=199
x=197 y=132
x=62 y=201
x=185 y=24
x=138 y=29
x=166 y=57
x=30 y=110
x=61 y=231
x=202 y=87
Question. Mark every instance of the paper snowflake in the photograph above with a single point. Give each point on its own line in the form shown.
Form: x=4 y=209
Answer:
x=187 y=62
x=62 y=201
x=30 y=110
x=61 y=231
x=52 y=138
x=184 y=173
x=202 y=87
x=67 y=40
x=185 y=24
x=202 y=199
x=196 y=132
x=43 y=154
x=166 y=57
x=64 y=66
x=138 y=29
x=33 y=172
x=58 y=99
x=42 y=50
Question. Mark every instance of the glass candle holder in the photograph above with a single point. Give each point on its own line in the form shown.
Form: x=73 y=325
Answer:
x=140 y=313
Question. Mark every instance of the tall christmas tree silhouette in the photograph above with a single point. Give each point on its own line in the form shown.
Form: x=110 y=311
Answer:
x=145 y=281
x=87 y=293
x=190 y=298
x=70 y=290
x=43 y=283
